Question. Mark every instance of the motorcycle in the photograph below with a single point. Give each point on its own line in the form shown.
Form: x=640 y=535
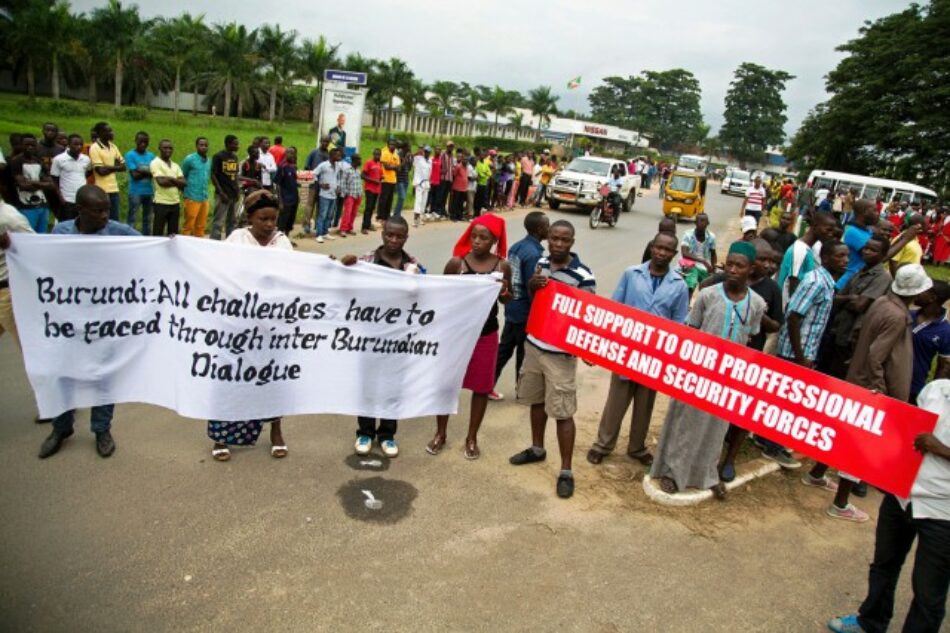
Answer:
x=605 y=212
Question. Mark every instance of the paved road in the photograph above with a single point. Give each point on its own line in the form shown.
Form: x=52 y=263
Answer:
x=160 y=537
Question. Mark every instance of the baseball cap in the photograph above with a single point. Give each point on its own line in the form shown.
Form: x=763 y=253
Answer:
x=749 y=224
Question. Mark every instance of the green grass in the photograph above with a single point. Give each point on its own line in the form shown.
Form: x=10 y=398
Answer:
x=18 y=114
x=938 y=273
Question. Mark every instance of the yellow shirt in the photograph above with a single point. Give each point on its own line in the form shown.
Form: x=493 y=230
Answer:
x=105 y=156
x=546 y=172
x=912 y=253
x=389 y=159
x=165 y=195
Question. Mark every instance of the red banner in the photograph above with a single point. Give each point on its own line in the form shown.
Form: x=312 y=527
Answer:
x=849 y=428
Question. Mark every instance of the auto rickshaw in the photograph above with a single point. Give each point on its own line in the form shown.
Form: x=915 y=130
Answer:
x=684 y=195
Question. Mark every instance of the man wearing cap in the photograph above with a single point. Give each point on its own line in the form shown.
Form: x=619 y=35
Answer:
x=883 y=362
x=750 y=228
x=754 y=200
x=389 y=159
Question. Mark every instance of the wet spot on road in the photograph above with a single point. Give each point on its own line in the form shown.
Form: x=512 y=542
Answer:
x=377 y=500
x=372 y=463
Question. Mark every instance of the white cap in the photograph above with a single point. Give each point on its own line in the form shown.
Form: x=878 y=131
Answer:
x=749 y=224
x=911 y=280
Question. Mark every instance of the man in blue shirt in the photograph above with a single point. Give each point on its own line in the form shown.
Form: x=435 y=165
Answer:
x=523 y=257
x=931 y=337
x=93 y=206
x=654 y=288
x=141 y=193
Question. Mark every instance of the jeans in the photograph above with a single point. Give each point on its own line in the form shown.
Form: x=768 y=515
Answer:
x=371 y=198
x=895 y=534
x=385 y=431
x=114 y=205
x=401 y=190
x=755 y=214
x=100 y=420
x=325 y=216
x=223 y=222
x=166 y=219
x=38 y=217
x=523 y=187
x=481 y=199
x=457 y=205
x=145 y=201
x=513 y=337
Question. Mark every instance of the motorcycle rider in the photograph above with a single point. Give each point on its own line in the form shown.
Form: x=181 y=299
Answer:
x=615 y=182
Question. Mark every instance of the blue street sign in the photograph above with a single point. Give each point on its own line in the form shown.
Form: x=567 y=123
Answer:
x=345 y=76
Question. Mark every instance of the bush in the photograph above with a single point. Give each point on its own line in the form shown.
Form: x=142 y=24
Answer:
x=133 y=113
x=508 y=144
x=68 y=108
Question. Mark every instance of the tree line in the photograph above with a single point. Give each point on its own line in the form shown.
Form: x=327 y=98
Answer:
x=248 y=70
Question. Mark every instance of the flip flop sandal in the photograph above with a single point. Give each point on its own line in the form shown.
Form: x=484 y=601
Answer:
x=221 y=454
x=668 y=486
x=277 y=452
x=719 y=491
x=471 y=450
x=435 y=446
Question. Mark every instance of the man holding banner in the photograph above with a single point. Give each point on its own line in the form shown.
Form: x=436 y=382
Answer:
x=92 y=206
x=689 y=448
x=547 y=377
x=653 y=288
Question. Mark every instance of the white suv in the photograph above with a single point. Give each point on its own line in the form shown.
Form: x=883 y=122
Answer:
x=578 y=183
x=736 y=181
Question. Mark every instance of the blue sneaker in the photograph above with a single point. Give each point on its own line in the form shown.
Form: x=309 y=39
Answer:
x=390 y=448
x=364 y=444
x=727 y=473
x=845 y=624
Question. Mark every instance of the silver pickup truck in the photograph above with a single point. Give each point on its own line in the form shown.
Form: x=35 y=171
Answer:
x=578 y=183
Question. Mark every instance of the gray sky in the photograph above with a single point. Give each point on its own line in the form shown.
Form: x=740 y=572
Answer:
x=517 y=46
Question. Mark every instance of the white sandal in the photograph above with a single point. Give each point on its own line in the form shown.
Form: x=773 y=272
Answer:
x=278 y=452
x=221 y=454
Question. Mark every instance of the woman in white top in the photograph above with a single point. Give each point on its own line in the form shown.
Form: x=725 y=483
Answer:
x=260 y=209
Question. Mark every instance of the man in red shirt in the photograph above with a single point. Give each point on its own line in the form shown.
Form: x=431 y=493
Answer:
x=277 y=150
x=372 y=176
x=459 y=187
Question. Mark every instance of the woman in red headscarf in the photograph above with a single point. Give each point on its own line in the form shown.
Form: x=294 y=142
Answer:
x=473 y=256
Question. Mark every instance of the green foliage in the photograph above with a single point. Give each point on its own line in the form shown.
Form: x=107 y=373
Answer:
x=755 y=111
x=889 y=111
x=507 y=144
x=661 y=104
x=132 y=113
x=66 y=108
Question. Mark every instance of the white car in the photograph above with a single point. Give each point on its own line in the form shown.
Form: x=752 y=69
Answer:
x=579 y=182
x=736 y=181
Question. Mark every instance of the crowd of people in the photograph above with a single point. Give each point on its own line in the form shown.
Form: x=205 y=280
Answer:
x=842 y=292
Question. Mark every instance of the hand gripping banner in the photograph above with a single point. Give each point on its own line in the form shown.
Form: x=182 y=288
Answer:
x=865 y=434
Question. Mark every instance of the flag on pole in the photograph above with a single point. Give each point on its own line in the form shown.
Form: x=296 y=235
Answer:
x=574 y=83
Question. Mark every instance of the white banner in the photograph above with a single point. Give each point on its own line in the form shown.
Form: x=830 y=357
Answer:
x=231 y=332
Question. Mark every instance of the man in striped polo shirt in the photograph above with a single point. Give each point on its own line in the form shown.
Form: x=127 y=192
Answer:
x=754 y=200
x=547 y=377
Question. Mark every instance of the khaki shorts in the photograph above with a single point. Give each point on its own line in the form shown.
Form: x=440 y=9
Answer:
x=7 y=324
x=549 y=378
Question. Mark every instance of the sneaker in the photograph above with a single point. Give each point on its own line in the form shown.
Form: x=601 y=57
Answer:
x=329 y=237
x=364 y=444
x=848 y=513
x=727 y=473
x=783 y=459
x=819 y=482
x=319 y=239
x=105 y=445
x=527 y=456
x=565 y=487
x=845 y=624
x=494 y=395
x=390 y=448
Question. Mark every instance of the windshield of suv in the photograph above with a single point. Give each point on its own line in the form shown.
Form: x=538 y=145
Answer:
x=739 y=175
x=592 y=167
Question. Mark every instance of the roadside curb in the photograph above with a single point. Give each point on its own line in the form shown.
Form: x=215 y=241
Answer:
x=694 y=497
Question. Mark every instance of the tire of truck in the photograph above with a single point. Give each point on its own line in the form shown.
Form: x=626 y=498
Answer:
x=628 y=203
x=553 y=204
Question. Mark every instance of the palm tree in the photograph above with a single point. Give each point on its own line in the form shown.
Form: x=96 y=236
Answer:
x=442 y=102
x=120 y=28
x=90 y=49
x=60 y=40
x=516 y=120
x=471 y=104
x=178 y=40
x=413 y=94
x=233 y=48
x=316 y=56
x=21 y=37
x=542 y=105
x=278 y=51
x=392 y=75
x=500 y=102
x=147 y=70
x=374 y=98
